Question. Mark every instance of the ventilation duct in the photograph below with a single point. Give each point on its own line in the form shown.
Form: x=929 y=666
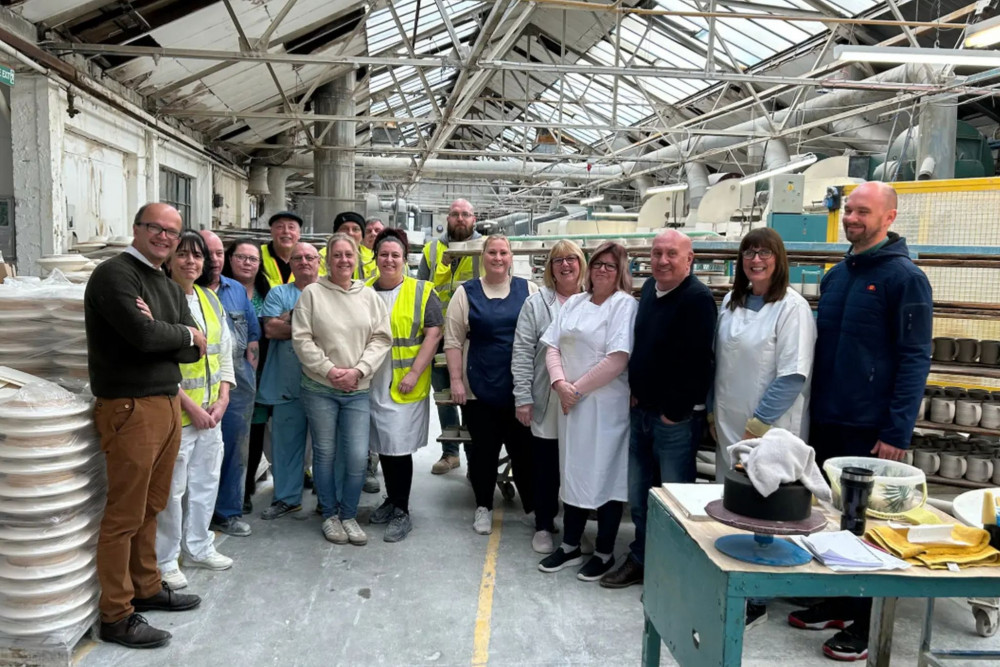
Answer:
x=257 y=184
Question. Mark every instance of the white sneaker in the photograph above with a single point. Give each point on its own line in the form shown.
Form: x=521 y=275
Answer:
x=334 y=531
x=214 y=561
x=174 y=579
x=542 y=542
x=483 y=522
x=355 y=535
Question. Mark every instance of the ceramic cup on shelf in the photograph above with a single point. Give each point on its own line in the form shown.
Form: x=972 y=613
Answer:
x=945 y=349
x=953 y=465
x=989 y=352
x=908 y=457
x=991 y=415
x=942 y=410
x=968 y=350
x=924 y=404
x=928 y=460
x=979 y=467
x=968 y=412
x=996 y=467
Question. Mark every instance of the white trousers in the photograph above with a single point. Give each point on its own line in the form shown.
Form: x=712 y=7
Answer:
x=195 y=484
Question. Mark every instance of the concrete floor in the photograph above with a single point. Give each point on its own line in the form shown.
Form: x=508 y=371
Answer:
x=293 y=598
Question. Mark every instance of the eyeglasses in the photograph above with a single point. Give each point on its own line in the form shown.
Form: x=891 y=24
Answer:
x=570 y=259
x=461 y=214
x=304 y=258
x=607 y=266
x=763 y=253
x=248 y=259
x=156 y=229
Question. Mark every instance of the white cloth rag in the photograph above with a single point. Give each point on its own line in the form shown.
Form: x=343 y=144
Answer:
x=780 y=457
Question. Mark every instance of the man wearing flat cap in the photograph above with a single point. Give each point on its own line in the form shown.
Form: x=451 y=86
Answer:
x=286 y=227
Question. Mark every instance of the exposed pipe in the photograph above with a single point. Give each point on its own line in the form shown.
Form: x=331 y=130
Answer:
x=509 y=169
x=696 y=174
x=257 y=184
x=277 y=199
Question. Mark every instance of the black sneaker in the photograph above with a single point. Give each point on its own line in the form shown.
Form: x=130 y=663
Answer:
x=134 y=632
x=166 y=600
x=756 y=615
x=307 y=479
x=846 y=646
x=595 y=568
x=382 y=514
x=247 y=506
x=820 y=617
x=559 y=559
x=279 y=508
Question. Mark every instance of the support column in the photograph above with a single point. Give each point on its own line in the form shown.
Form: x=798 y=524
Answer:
x=936 y=141
x=37 y=115
x=333 y=172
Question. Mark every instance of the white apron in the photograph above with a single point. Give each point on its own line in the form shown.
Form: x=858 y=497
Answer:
x=593 y=438
x=751 y=350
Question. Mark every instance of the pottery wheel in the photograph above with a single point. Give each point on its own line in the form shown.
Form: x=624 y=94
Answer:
x=814 y=523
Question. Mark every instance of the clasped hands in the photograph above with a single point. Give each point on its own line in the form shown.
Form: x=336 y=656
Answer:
x=344 y=379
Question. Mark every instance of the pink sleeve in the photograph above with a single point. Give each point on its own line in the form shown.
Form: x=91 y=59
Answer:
x=606 y=370
x=554 y=363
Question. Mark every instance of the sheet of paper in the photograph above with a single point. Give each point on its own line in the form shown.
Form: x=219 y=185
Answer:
x=693 y=497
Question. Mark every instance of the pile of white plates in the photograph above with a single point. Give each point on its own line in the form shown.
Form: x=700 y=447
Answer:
x=52 y=490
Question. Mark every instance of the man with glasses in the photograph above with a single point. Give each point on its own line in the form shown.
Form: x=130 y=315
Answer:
x=245 y=329
x=133 y=361
x=280 y=382
x=669 y=373
x=286 y=228
x=447 y=273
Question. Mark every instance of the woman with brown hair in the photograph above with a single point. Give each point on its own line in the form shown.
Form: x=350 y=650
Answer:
x=763 y=350
x=589 y=344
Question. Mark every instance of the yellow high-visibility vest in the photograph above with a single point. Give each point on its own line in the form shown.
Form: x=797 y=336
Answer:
x=270 y=267
x=200 y=379
x=441 y=275
x=407 y=323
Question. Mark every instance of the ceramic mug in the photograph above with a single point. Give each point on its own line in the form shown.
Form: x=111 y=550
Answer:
x=996 y=469
x=928 y=460
x=908 y=457
x=991 y=414
x=942 y=410
x=989 y=352
x=968 y=350
x=810 y=289
x=945 y=349
x=980 y=467
x=953 y=465
x=924 y=404
x=968 y=412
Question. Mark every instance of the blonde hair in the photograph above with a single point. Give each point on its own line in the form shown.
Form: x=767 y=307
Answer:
x=490 y=239
x=341 y=236
x=562 y=248
x=620 y=257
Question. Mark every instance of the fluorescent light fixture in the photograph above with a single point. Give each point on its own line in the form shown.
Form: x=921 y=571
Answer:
x=803 y=161
x=673 y=187
x=894 y=55
x=617 y=216
x=591 y=200
x=982 y=34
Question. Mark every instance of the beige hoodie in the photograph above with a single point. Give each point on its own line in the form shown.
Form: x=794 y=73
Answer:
x=334 y=327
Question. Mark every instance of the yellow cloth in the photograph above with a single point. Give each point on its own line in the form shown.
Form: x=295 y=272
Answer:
x=977 y=553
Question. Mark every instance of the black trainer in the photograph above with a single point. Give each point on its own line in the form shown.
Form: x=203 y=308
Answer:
x=559 y=559
x=383 y=513
x=134 y=632
x=279 y=508
x=756 y=615
x=818 y=617
x=166 y=600
x=846 y=646
x=595 y=568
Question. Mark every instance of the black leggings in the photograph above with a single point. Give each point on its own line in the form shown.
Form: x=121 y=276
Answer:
x=609 y=517
x=398 y=474
x=254 y=454
x=546 y=464
x=493 y=427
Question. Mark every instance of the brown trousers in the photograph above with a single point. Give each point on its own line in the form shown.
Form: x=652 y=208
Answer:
x=140 y=438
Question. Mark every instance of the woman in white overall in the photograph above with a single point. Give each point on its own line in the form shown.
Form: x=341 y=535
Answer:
x=589 y=344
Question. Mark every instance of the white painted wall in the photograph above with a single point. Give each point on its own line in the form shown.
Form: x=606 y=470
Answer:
x=87 y=175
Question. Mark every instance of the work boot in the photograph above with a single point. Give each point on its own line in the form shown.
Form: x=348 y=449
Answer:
x=166 y=600
x=629 y=573
x=446 y=463
x=134 y=632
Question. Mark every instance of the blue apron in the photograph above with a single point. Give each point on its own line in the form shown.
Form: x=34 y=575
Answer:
x=491 y=340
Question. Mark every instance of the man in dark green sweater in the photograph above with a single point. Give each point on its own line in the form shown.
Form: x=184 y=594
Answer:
x=138 y=329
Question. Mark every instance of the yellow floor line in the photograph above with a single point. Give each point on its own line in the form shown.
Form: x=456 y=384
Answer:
x=484 y=614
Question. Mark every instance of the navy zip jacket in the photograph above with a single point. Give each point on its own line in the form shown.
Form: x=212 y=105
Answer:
x=873 y=351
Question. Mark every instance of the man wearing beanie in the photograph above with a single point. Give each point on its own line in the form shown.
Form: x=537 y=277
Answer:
x=353 y=224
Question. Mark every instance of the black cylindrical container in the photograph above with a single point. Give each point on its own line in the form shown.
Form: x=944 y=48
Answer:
x=855 y=489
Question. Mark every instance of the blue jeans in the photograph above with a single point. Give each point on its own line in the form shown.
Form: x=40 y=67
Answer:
x=340 y=427
x=288 y=449
x=236 y=441
x=657 y=453
x=447 y=414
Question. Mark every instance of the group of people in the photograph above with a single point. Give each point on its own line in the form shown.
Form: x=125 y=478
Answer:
x=596 y=396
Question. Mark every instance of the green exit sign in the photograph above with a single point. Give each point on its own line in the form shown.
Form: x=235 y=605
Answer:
x=6 y=75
